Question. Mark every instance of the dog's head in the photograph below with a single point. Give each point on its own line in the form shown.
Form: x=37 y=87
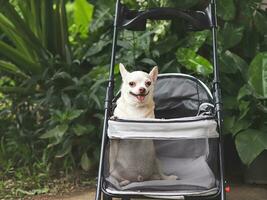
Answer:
x=137 y=87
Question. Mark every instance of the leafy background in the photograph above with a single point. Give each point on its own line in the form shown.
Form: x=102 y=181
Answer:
x=54 y=59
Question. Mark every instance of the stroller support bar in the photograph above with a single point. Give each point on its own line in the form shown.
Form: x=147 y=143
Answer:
x=108 y=100
x=136 y=20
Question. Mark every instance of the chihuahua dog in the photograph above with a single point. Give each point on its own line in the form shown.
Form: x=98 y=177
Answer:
x=135 y=160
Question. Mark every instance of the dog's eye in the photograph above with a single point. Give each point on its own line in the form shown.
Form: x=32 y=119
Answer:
x=132 y=84
x=148 y=83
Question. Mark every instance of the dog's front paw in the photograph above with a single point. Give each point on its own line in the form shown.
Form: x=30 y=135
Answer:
x=172 y=177
x=140 y=178
x=113 y=117
x=124 y=182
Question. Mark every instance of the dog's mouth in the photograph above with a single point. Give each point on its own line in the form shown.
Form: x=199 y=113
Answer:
x=140 y=97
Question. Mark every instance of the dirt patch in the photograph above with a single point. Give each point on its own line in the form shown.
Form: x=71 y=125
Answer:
x=78 y=194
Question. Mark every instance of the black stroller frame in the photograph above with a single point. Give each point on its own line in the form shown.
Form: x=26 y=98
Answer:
x=136 y=21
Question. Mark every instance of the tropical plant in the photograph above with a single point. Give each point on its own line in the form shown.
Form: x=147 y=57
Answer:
x=53 y=92
x=243 y=55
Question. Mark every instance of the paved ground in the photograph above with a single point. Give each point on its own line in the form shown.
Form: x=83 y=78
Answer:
x=247 y=192
x=238 y=192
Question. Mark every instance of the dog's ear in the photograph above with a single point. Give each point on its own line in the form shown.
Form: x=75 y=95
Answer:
x=123 y=71
x=154 y=73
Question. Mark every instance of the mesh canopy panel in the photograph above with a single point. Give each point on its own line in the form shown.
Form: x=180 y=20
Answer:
x=179 y=95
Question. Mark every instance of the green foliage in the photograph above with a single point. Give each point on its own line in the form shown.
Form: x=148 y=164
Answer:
x=79 y=20
x=54 y=94
x=250 y=144
x=242 y=60
x=258 y=74
x=193 y=62
x=226 y=10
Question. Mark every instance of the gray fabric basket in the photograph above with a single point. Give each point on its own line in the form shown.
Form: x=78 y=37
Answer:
x=182 y=147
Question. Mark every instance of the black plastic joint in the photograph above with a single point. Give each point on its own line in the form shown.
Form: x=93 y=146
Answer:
x=109 y=95
x=218 y=104
x=111 y=83
x=118 y=14
x=212 y=15
x=216 y=85
x=106 y=106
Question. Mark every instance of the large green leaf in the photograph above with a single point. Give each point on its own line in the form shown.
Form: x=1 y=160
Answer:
x=66 y=148
x=17 y=58
x=28 y=9
x=83 y=12
x=260 y=21
x=9 y=67
x=194 y=62
x=80 y=130
x=234 y=126
x=230 y=35
x=226 y=9
x=56 y=132
x=22 y=28
x=247 y=10
x=186 y=3
x=101 y=16
x=166 y=45
x=47 y=20
x=250 y=143
x=16 y=90
x=244 y=107
x=250 y=43
x=194 y=40
x=244 y=91
x=229 y=101
x=60 y=28
x=230 y=63
x=85 y=162
x=11 y=32
x=258 y=74
x=73 y=114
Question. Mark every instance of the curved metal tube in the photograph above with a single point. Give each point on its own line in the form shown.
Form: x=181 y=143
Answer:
x=166 y=14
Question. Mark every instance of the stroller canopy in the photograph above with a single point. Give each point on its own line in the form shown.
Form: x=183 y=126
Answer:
x=179 y=95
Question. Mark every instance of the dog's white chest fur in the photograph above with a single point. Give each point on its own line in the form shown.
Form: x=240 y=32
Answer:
x=134 y=111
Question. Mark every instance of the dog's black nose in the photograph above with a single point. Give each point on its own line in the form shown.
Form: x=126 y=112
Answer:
x=142 y=90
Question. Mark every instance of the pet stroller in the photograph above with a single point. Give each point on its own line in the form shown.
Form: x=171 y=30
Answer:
x=186 y=132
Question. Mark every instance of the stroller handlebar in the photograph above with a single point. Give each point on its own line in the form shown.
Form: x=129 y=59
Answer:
x=136 y=20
